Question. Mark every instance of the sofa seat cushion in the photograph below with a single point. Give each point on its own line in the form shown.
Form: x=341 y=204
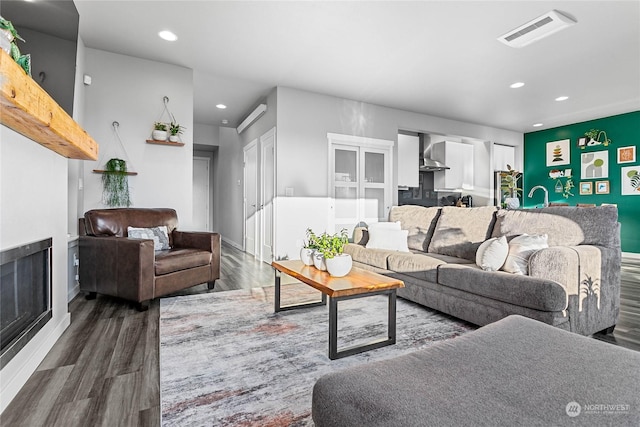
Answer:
x=420 y=265
x=373 y=257
x=180 y=259
x=531 y=292
x=460 y=231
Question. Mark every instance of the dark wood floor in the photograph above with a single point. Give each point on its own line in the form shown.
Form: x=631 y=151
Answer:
x=104 y=370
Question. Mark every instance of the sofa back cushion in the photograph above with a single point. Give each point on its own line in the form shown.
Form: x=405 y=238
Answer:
x=565 y=226
x=420 y=221
x=460 y=231
x=114 y=222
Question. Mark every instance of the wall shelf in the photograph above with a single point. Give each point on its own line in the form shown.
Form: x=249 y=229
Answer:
x=27 y=109
x=104 y=171
x=175 y=144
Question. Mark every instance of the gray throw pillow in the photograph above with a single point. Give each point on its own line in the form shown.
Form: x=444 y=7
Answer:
x=159 y=235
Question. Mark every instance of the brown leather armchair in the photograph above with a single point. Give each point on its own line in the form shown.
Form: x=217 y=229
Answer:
x=113 y=264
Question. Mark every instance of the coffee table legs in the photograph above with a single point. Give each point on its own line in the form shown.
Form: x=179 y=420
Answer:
x=334 y=353
x=279 y=307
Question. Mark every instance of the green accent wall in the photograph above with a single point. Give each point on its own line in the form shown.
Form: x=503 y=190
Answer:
x=623 y=130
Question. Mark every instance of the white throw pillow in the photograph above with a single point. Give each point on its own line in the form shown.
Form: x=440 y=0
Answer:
x=384 y=225
x=159 y=235
x=520 y=249
x=387 y=238
x=492 y=253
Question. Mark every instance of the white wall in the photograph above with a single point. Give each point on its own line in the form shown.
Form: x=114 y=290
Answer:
x=130 y=90
x=303 y=120
x=33 y=206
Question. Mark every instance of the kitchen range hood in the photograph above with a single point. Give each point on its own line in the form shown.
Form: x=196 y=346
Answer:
x=427 y=164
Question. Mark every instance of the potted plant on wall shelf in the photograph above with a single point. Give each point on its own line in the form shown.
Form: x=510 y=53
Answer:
x=509 y=187
x=115 y=184
x=174 y=131
x=159 y=131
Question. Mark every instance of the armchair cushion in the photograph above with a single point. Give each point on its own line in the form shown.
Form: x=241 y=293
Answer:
x=173 y=260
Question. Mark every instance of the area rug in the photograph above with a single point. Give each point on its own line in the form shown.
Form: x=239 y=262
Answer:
x=226 y=359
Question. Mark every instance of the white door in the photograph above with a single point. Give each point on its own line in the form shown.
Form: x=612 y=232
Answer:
x=250 y=196
x=201 y=208
x=267 y=193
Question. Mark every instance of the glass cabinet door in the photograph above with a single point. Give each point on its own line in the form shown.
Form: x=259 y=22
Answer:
x=360 y=185
x=345 y=187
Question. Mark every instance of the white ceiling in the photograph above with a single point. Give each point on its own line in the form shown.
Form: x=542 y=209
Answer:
x=434 y=57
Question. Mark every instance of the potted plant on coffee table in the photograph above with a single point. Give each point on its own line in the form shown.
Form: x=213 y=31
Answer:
x=310 y=246
x=338 y=263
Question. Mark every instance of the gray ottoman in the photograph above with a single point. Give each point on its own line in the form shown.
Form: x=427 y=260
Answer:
x=516 y=371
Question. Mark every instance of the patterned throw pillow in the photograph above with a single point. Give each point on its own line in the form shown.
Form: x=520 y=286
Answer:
x=159 y=235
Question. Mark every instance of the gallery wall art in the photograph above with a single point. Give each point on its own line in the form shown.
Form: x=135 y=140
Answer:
x=594 y=165
x=627 y=154
x=630 y=180
x=614 y=174
x=558 y=152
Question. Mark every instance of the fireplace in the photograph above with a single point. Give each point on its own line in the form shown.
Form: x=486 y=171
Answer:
x=25 y=295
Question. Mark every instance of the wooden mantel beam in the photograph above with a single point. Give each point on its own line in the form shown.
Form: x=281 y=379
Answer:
x=27 y=109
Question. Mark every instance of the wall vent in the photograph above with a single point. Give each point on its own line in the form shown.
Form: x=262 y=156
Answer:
x=537 y=29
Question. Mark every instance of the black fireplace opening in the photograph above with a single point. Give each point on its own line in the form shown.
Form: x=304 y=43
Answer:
x=25 y=295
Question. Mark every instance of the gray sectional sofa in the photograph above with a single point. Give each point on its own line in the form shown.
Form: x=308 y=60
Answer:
x=574 y=284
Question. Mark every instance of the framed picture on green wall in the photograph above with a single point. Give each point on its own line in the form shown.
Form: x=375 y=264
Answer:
x=602 y=187
x=594 y=165
x=630 y=180
x=558 y=152
x=627 y=154
x=586 y=188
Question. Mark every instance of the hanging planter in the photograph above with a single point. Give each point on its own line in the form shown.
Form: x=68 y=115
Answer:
x=115 y=184
x=164 y=130
x=115 y=176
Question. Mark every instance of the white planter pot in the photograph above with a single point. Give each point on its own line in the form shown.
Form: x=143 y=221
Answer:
x=306 y=256
x=319 y=261
x=340 y=265
x=173 y=138
x=159 y=135
x=512 y=202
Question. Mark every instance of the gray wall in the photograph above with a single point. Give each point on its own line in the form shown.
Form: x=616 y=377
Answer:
x=130 y=90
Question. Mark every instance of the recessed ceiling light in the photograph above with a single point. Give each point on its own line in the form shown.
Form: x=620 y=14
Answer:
x=225 y=122
x=168 y=36
x=562 y=98
x=537 y=125
x=516 y=85
x=221 y=106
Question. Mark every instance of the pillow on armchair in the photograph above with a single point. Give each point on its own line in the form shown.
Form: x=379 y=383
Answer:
x=159 y=235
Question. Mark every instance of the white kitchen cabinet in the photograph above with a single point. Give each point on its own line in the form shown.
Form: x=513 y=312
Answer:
x=408 y=160
x=459 y=157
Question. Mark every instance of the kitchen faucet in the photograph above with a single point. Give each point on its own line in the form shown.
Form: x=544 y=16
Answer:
x=546 y=194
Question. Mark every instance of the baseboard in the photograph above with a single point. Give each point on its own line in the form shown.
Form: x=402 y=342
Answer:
x=631 y=255
x=21 y=368
x=73 y=292
x=232 y=243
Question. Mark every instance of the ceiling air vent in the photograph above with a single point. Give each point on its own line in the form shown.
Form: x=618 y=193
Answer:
x=537 y=29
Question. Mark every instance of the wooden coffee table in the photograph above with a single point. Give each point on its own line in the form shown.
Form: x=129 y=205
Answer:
x=358 y=283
